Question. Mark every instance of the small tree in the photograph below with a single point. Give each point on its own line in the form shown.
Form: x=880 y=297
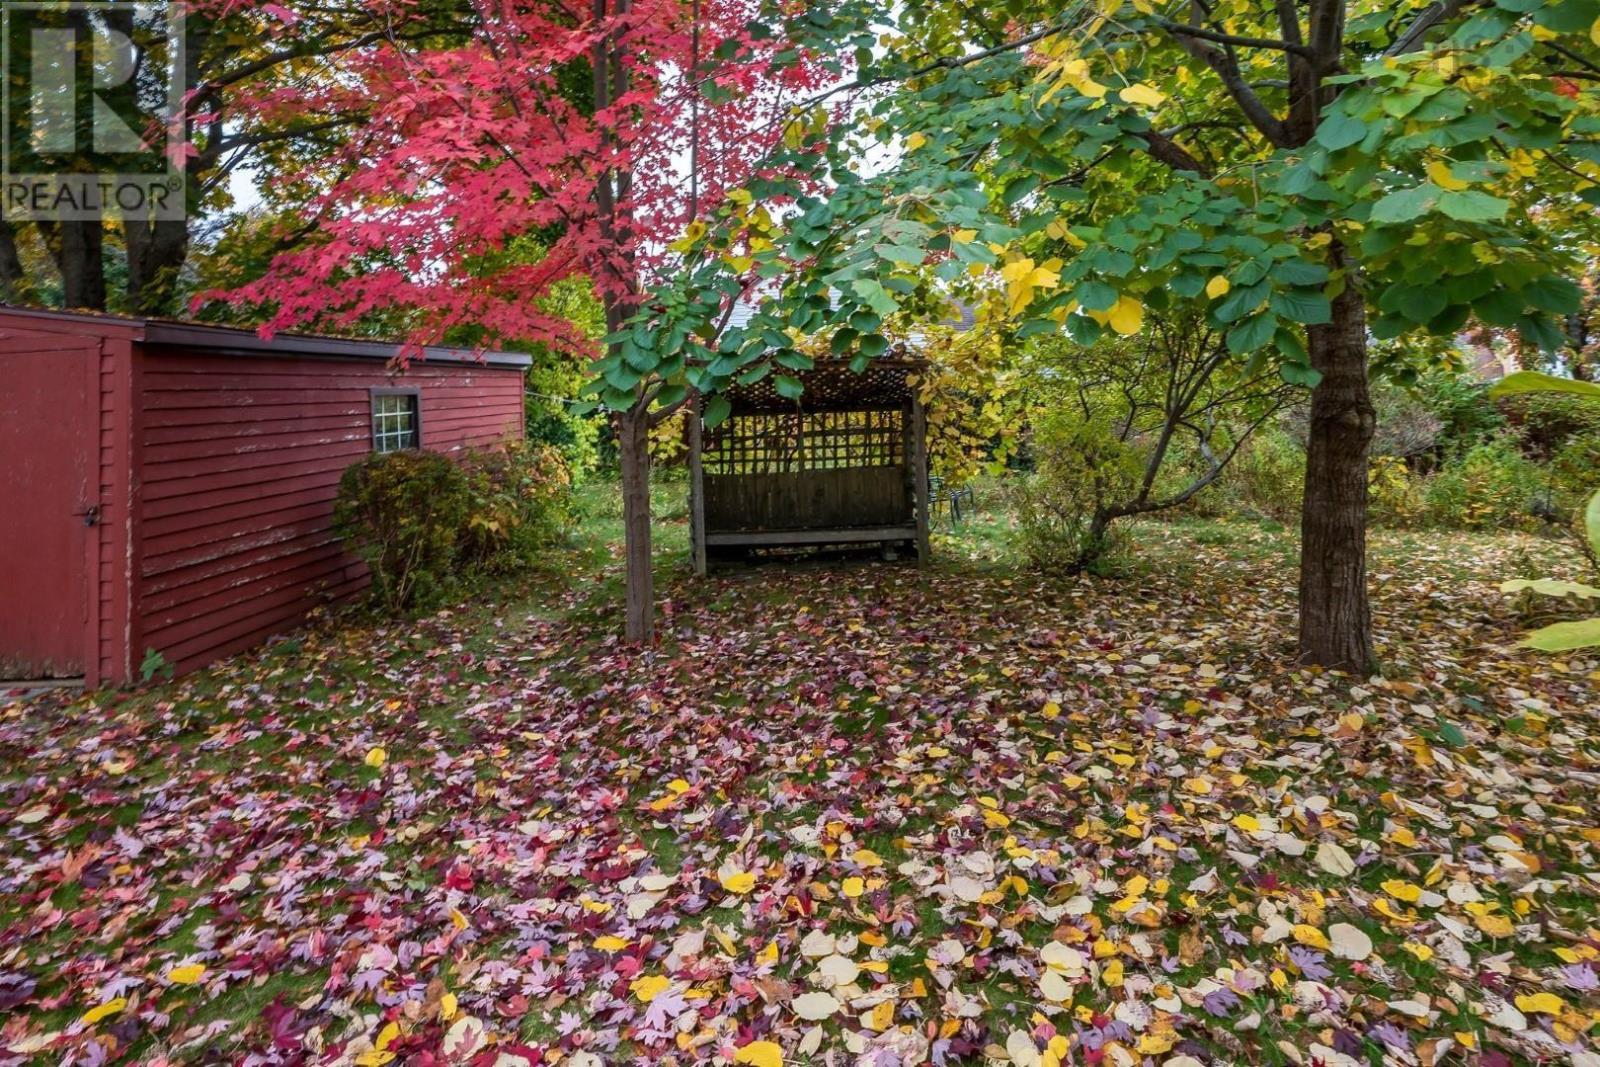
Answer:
x=1174 y=388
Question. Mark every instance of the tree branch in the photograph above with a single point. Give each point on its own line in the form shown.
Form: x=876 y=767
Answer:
x=1189 y=30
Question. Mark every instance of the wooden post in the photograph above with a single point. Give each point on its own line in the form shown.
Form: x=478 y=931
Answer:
x=919 y=459
x=697 y=492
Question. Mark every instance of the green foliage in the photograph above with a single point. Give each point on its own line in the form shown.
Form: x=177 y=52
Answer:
x=519 y=502
x=404 y=513
x=1584 y=633
x=1489 y=486
x=1547 y=423
x=1395 y=495
x=1269 y=476
x=1427 y=177
x=422 y=522
x=1081 y=466
x=154 y=663
x=1461 y=403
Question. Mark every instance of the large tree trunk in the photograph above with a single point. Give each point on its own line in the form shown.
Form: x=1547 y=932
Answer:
x=14 y=287
x=83 y=272
x=1335 y=619
x=633 y=446
x=156 y=255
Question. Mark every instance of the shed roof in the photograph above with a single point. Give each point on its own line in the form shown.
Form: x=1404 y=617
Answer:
x=832 y=385
x=234 y=341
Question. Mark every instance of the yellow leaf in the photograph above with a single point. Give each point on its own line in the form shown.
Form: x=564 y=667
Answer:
x=1199 y=786
x=853 y=887
x=1127 y=315
x=1218 y=286
x=447 y=1007
x=678 y=786
x=1439 y=172
x=1247 y=823
x=376 y=757
x=737 y=881
x=1542 y=1003
x=1051 y=710
x=386 y=1037
x=610 y=943
x=648 y=987
x=1311 y=937
x=110 y=1007
x=882 y=1016
x=962 y=237
x=188 y=975
x=865 y=857
x=1402 y=890
x=1419 y=950
x=915 y=141
x=1594 y=32
x=760 y=1054
x=1111 y=974
x=1495 y=925
x=1142 y=94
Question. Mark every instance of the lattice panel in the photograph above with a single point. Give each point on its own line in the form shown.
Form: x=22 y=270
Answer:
x=766 y=443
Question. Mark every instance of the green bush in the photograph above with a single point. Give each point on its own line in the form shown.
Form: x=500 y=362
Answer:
x=1467 y=414
x=422 y=522
x=403 y=513
x=1268 y=476
x=1489 y=486
x=518 y=503
x=1396 y=496
x=1575 y=472
x=1080 y=466
x=1547 y=423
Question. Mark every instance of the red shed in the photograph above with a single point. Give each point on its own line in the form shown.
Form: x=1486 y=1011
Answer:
x=170 y=486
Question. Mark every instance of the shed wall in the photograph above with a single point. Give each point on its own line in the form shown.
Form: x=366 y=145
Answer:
x=240 y=459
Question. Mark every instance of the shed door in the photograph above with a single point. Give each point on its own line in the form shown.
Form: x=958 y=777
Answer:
x=47 y=429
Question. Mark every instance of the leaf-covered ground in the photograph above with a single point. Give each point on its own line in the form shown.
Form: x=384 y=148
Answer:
x=848 y=813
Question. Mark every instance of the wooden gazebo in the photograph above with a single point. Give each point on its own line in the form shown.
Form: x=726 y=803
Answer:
x=845 y=464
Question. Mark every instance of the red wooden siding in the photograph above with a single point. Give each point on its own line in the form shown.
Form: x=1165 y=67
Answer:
x=212 y=457
x=241 y=458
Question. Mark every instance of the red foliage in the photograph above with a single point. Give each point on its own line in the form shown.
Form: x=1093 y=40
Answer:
x=467 y=149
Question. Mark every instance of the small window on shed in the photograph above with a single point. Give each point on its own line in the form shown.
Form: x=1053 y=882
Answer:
x=394 y=421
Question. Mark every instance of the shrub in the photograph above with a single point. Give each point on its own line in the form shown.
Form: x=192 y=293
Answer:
x=1395 y=495
x=1575 y=472
x=403 y=513
x=421 y=521
x=1467 y=415
x=1491 y=485
x=517 y=503
x=1080 y=466
x=1269 y=476
x=1547 y=423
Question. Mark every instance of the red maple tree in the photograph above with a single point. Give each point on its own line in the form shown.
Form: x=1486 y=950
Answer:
x=553 y=140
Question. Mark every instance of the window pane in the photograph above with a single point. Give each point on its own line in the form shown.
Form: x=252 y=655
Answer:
x=394 y=422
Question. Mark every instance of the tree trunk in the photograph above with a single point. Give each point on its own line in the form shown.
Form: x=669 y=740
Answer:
x=14 y=287
x=156 y=254
x=1335 y=618
x=83 y=272
x=633 y=447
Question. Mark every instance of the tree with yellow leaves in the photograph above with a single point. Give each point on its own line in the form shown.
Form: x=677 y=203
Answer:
x=1319 y=173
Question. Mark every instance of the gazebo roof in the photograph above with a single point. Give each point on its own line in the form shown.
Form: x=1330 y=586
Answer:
x=831 y=385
